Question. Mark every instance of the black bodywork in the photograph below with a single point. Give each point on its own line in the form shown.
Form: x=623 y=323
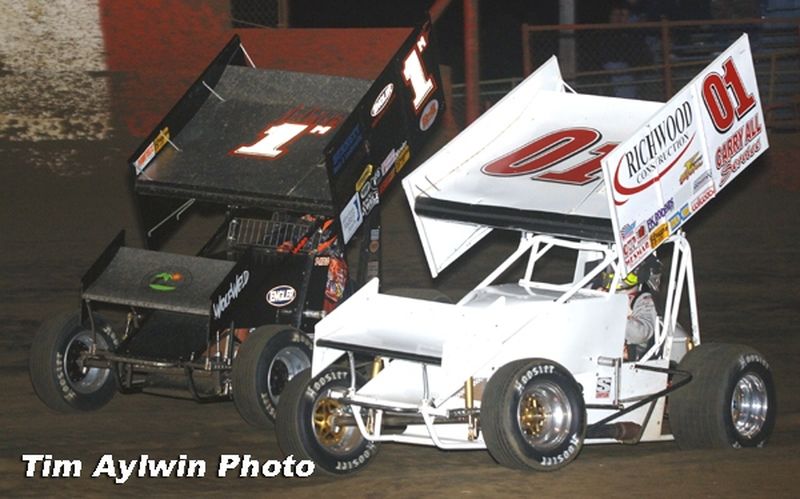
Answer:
x=279 y=255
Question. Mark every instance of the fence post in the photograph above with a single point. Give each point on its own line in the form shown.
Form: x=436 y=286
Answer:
x=527 y=61
x=665 y=56
x=472 y=74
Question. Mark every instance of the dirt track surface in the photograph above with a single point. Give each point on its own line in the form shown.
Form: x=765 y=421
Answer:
x=54 y=226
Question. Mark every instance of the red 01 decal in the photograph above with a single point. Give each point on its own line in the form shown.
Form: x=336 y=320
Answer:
x=416 y=74
x=717 y=98
x=539 y=156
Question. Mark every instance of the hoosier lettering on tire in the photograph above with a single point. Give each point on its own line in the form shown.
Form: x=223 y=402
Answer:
x=533 y=415
x=311 y=424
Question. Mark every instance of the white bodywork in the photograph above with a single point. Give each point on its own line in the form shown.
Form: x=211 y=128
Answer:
x=432 y=349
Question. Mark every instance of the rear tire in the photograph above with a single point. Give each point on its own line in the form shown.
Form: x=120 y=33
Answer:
x=730 y=401
x=58 y=377
x=533 y=415
x=266 y=361
x=306 y=426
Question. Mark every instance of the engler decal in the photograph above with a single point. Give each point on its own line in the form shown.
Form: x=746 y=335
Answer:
x=282 y=295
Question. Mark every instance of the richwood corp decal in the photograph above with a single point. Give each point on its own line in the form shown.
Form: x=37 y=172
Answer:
x=236 y=287
x=655 y=154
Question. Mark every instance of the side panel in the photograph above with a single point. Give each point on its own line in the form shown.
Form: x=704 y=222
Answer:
x=387 y=128
x=686 y=153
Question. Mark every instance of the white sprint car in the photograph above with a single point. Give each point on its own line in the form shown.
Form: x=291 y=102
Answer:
x=534 y=370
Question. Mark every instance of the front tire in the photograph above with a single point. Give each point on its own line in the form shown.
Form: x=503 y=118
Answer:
x=57 y=374
x=730 y=401
x=266 y=361
x=306 y=425
x=533 y=415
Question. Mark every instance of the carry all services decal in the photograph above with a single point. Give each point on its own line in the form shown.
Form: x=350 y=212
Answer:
x=689 y=150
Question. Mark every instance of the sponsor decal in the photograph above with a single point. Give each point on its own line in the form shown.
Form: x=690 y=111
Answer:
x=151 y=150
x=161 y=139
x=634 y=253
x=351 y=217
x=336 y=283
x=393 y=163
x=348 y=147
x=235 y=288
x=665 y=144
x=702 y=199
x=652 y=222
x=281 y=296
x=382 y=101
x=429 y=114
x=168 y=280
x=603 y=390
x=403 y=155
x=365 y=175
x=701 y=181
x=691 y=166
x=659 y=235
x=627 y=230
x=739 y=149
x=679 y=217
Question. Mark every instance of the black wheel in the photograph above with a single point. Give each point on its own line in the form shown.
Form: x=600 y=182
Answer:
x=730 y=401
x=313 y=425
x=533 y=415
x=57 y=372
x=421 y=294
x=264 y=364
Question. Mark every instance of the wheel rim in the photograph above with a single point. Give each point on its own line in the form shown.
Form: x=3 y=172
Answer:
x=83 y=379
x=334 y=437
x=544 y=415
x=749 y=405
x=284 y=366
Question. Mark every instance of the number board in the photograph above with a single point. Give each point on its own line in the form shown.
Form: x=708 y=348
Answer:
x=705 y=136
x=385 y=131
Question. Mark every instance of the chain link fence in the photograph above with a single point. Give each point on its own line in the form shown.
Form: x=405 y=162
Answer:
x=652 y=61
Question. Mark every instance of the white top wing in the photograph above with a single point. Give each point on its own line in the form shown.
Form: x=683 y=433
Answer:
x=531 y=162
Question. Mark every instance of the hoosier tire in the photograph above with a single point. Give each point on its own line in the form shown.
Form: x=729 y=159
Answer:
x=533 y=415
x=58 y=377
x=306 y=424
x=266 y=361
x=730 y=401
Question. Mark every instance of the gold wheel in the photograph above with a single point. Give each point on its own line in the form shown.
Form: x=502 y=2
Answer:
x=544 y=415
x=531 y=416
x=325 y=412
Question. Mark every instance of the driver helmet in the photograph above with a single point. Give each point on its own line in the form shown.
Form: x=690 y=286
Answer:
x=647 y=273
